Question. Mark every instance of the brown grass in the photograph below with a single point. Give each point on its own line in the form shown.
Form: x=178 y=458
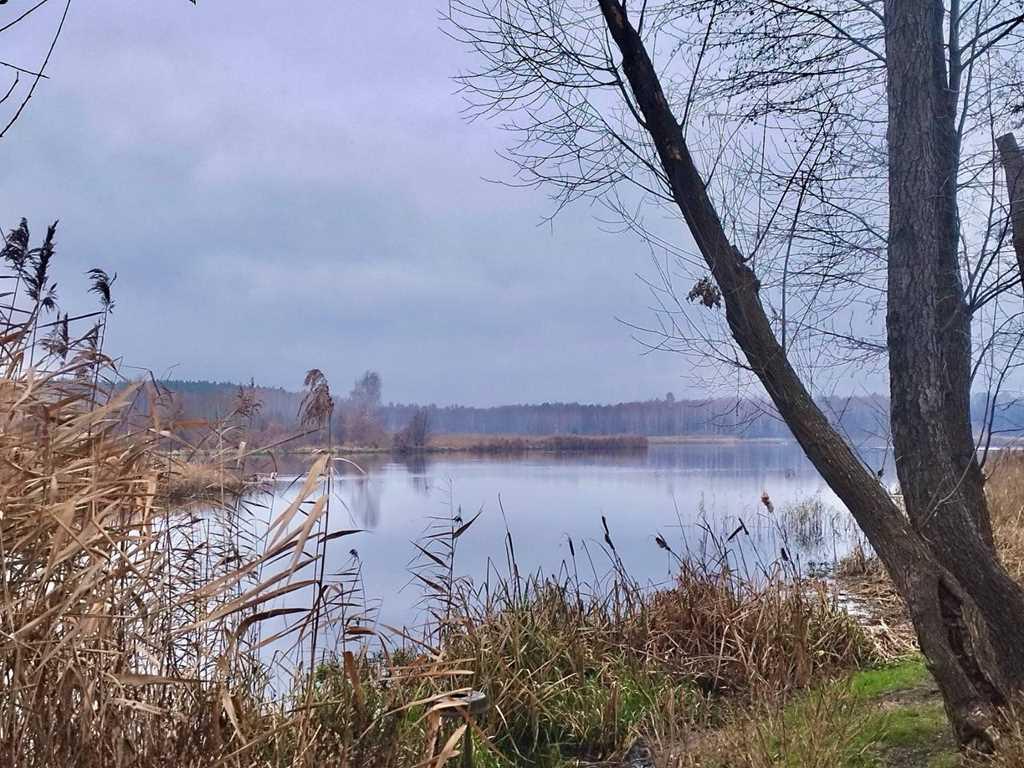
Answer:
x=512 y=444
x=129 y=630
x=190 y=482
x=1005 y=490
x=758 y=638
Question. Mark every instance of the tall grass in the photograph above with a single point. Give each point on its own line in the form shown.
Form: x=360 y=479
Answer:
x=575 y=670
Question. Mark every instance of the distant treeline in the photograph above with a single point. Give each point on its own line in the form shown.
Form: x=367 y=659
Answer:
x=862 y=417
x=661 y=416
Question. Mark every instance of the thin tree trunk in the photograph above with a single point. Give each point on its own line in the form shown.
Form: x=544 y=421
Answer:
x=1013 y=164
x=938 y=597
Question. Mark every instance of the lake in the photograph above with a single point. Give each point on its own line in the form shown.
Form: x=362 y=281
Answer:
x=694 y=495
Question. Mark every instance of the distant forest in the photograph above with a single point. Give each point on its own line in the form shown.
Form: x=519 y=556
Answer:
x=863 y=418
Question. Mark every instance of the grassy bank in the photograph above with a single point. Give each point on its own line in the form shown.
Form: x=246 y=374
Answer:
x=889 y=716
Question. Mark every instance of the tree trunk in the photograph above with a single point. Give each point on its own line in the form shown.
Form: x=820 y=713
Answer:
x=1013 y=164
x=929 y=333
x=942 y=564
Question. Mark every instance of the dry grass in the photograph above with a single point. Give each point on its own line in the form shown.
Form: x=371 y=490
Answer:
x=193 y=482
x=512 y=444
x=1005 y=490
x=130 y=630
x=754 y=637
x=92 y=652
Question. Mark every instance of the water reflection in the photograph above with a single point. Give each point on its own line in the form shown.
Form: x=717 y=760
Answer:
x=361 y=494
x=751 y=503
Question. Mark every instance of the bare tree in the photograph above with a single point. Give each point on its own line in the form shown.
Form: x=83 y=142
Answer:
x=834 y=164
x=414 y=435
x=360 y=413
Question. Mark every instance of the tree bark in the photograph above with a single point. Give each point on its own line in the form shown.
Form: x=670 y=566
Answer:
x=929 y=333
x=1013 y=165
x=939 y=598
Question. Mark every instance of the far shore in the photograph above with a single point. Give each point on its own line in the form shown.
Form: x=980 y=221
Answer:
x=717 y=440
x=514 y=444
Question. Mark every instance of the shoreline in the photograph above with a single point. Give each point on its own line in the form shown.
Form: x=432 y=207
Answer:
x=515 y=444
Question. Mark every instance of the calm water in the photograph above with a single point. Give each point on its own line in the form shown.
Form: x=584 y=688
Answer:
x=687 y=493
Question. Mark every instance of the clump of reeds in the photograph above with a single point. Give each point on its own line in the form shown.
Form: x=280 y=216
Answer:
x=514 y=444
x=806 y=520
x=754 y=636
x=191 y=482
x=573 y=670
x=1004 y=488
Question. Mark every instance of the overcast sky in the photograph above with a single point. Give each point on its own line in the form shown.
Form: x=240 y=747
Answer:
x=287 y=185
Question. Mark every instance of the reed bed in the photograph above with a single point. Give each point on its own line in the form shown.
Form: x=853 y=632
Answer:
x=513 y=444
x=575 y=670
x=1005 y=491
x=189 y=482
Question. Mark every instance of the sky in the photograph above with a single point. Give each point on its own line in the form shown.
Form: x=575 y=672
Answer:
x=281 y=186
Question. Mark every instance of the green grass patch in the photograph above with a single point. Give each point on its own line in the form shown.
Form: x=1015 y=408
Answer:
x=891 y=678
x=886 y=717
x=906 y=735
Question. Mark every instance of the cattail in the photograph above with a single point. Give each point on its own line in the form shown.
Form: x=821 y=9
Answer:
x=607 y=534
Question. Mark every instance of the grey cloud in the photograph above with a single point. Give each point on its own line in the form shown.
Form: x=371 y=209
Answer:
x=287 y=185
